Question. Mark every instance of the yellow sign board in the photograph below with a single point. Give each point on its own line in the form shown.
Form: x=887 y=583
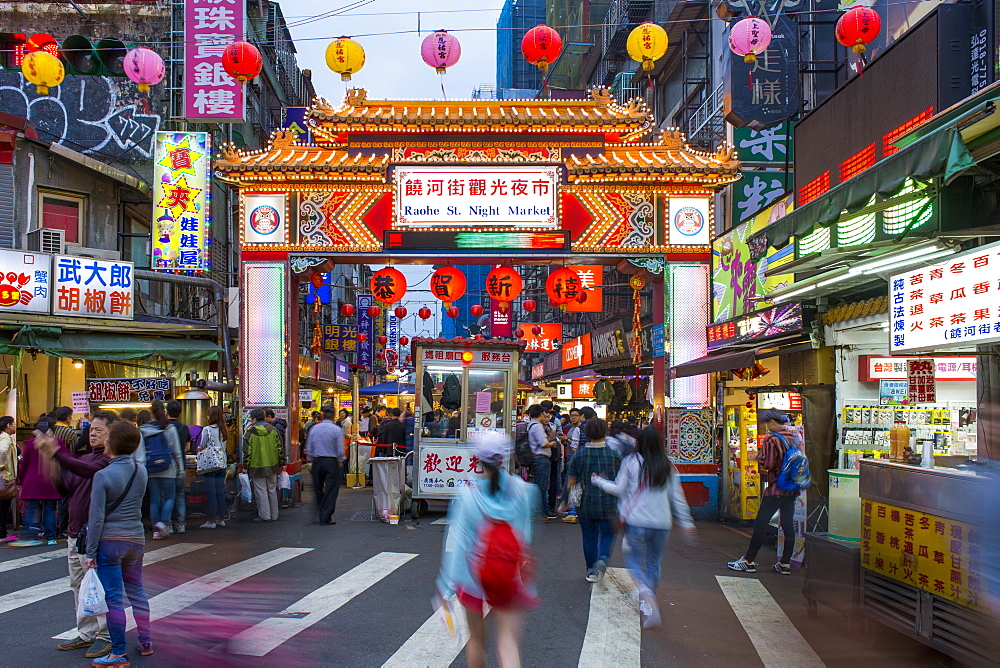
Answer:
x=937 y=555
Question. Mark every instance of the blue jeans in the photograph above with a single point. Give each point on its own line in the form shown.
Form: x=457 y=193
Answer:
x=180 y=501
x=540 y=469
x=161 y=499
x=41 y=512
x=120 y=563
x=643 y=551
x=215 y=488
x=598 y=539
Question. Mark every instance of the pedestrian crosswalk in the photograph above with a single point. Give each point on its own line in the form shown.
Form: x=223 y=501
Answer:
x=612 y=635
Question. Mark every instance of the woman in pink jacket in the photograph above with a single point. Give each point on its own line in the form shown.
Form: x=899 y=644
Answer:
x=34 y=475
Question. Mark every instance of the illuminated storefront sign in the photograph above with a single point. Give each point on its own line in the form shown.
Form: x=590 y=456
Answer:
x=340 y=338
x=947 y=304
x=265 y=218
x=129 y=390
x=591 y=298
x=689 y=315
x=181 y=217
x=510 y=241
x=770 y=323
x=546 y=340
x=366 y=326
x=608 y=343
x=690 y=221
x=576 y=352
x=477 y=196
x=877 y=367
x=209 y=92
x=263 y=363
x=24 y=282
x=84 y=286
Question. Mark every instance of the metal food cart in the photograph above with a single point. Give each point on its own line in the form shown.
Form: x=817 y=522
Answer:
x=474 y=382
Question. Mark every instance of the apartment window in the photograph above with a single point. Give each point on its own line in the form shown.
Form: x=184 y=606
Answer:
x=135 y=241
x=63 y=211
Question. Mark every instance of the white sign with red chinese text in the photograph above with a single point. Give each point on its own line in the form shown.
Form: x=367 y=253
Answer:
x=209 y=92
x=920 y=373
x=876 y=367
x=24 y=282
x=442 y=470
x=955 y=303
x=477 y=197
x=84 y=286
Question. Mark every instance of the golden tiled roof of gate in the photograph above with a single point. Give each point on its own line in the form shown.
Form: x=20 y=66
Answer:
x=600 y=114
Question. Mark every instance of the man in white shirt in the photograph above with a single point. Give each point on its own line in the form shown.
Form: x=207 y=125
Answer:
x=325 y=449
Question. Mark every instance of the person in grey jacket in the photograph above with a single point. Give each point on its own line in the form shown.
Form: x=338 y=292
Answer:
x=116 y=542
x=162 y=484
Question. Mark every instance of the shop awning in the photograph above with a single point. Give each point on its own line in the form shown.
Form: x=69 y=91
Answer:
x=101 y=346
x=738 y=359
x=941 y=153
x=388 y=388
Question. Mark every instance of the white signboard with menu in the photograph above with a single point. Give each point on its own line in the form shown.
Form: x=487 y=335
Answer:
x=954 y=303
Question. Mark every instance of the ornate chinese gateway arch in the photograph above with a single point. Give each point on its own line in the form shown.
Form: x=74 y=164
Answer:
x=529 y=181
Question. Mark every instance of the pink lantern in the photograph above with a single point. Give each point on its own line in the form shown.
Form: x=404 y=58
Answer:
x=440 y=50
x=144 y=67
x=749 y=38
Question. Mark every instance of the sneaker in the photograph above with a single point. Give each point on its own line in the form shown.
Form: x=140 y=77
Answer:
x=99 y=648
x=742 y=564
x=8 y=539
x=157 y=535
x=650 y=611
x=110 y=660
x=784 y=569
x=161 y=529
x=259 y=519
x=51 y=542
x=542 y=518
x=569 y=519
x=145 y=648
x=180 y=527
x=552 y=516
x=220 y=523
x=208 y=525
x=592 y=577
x=600 y=568
x=75 y=643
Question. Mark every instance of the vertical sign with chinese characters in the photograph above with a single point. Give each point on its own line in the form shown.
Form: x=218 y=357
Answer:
x=591 y=297
x=181 y=217
x=765 y=92
x=209 y=93
x=757 y=191
x=920 y=374
x=366 y=326
x=501 y=326
x=85 y=286
x=773 y=145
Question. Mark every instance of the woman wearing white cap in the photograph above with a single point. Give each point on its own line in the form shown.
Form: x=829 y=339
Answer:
x=487 y=556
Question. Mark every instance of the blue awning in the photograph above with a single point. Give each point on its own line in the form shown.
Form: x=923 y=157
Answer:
x=388 y=388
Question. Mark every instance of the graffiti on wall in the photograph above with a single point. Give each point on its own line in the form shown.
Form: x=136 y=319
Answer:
x=86 y=114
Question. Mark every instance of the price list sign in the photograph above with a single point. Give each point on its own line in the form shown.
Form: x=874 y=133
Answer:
x=920 y=374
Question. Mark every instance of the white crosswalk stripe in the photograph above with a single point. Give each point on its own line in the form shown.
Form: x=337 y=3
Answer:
x=315 y=606
x=777 y=641
x=613 y=635
x=185 y=595
x=31 y=560
x=432 y=645
x=40 y=592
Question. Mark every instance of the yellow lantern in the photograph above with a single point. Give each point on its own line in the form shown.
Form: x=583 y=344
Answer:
x=345 y=57
x=43 y=69
x=647 y=43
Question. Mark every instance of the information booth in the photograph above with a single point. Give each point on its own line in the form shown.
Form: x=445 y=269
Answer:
x=473 y=382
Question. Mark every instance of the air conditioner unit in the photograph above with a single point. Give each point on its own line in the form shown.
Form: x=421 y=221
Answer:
x=45 y=240
x=96 y=253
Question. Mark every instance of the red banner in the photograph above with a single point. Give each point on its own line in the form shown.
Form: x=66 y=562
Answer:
x=500 y=321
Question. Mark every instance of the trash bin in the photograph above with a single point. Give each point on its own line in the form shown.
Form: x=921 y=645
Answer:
x=388 y=478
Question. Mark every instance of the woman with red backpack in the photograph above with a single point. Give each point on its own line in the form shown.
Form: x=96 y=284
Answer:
x=487 y=553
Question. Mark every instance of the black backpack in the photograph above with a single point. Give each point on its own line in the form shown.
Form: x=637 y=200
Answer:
x=522 y=449
x=451 y=396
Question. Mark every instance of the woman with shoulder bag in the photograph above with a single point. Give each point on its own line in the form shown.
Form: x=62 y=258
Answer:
x=212 y=466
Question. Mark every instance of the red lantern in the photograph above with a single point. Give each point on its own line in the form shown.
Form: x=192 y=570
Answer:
x=347 y=310
x=858 y=26
x=563 y=286
x=452 y=312
x=541 y=46
x=519 y=333
x=404 y=341
x=388 y=285
x=382 y=340
x=374 y=311
x=504 y=284
x=582 y=297
x=316 y=280
x=424 y=313
x=362 y=337
x=448 y=284
x=529 y=305
x=476 y=310
x=536 y=330
x=380 y=356
x=400 y=312
x=478 y=336
x=242 y=61
x=409 y=359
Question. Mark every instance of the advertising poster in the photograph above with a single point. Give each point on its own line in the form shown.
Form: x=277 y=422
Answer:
x=181 y=216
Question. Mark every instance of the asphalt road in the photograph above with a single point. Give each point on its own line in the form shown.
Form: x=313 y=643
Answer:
x=358 y=594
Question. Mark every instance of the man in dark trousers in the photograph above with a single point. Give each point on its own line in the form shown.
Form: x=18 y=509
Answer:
x=392 y=432
x=325 y=449
x=278 y=423
x=184 y=436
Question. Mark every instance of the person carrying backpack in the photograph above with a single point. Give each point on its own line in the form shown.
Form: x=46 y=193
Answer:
x=770 y=458
x=164 y=463
x=263 y=457
x=487 y=553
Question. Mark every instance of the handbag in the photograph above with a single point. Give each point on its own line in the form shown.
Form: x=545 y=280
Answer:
x=210 y=457
x=9 y=490
x=81 y=538
x=576 y=495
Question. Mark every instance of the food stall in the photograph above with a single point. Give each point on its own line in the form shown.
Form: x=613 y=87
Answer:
x=473 y=382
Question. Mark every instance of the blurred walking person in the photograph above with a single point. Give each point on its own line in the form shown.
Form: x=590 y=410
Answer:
x=651 y=500
x=8 y=473
x=164 y=463
x=487 y=553
x=597 y=510
x=34 y=475
x=325 y=449
x=212 y=456
x=116 y=541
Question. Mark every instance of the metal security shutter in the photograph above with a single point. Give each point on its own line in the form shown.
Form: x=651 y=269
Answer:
x=8 y=228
